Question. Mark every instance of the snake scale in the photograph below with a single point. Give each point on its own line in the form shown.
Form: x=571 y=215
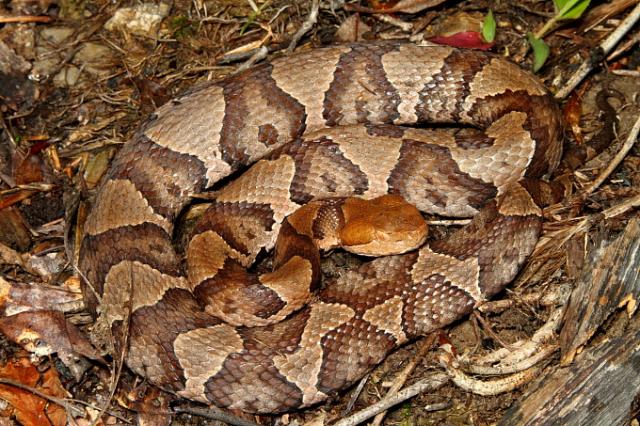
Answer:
x=322 y=123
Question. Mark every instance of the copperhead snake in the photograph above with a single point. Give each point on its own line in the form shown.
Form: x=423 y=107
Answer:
x=323 y=123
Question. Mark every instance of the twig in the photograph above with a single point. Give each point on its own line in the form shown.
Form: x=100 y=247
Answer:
x=607 y=45
x=404 y=26
x=623 y=207
x=355 y=395
x=333 y=5
x=399 y=381
x=449 y=222
x=306 y=26
x=525 y=349
x=437 y=406
x=490 y=387
x=624 y=150
x=431 y=383
x=214 y=414
x=625 y=46
x=24 y=19
x=494 y=370
x=260 y=54
x=7 y=132
x=555 y=296
x=626 y=73
x=70 y=408
x=489 y=330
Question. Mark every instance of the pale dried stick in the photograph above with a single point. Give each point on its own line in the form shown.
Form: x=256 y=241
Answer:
x=355 y=395
x=399 y=381
x=491 y=387
x=538 y=355
x=607 y=45
x=306 y=26
x=526 y=348
x=622 y=153
x=214 y=414
x=431 y=383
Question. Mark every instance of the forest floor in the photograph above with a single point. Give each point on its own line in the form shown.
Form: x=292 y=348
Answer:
x=78 y=77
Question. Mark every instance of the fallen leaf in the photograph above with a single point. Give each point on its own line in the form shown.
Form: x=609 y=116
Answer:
x=16 y=297
x=572 y=111
x=461 y=30
x=402 y=6
x=28 y=408
x=151 y=405
x=602 y=12
x=352 y=29
x=405 y=6
x=48 y=332
x=467 y=39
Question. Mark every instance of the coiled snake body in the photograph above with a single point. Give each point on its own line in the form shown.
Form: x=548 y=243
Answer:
x=326 y=123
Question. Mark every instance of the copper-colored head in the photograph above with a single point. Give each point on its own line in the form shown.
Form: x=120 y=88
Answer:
x=384 y=225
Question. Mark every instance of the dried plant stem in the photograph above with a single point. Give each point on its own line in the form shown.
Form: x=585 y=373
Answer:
x=622 y=153
x=607 y=45
x=215 y=414
x=355 y=395
x=399 y=381
x=430 y=383
x=306 y=26
x=24 y=19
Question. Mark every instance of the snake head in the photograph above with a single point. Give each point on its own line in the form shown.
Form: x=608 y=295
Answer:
x=382 y=226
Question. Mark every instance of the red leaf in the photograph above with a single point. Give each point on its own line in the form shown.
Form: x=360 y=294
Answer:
x=466 y=39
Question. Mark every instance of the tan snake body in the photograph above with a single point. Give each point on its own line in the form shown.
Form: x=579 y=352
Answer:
x=326 y=123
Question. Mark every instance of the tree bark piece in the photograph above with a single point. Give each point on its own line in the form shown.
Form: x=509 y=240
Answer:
x=612 y=281
x=601 y=386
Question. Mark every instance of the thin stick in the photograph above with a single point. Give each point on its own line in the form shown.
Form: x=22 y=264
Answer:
x=306 y=26
x=431 y=383
x=623 y=207
x=489 y=330
x=396 y=22
x=355 y=395
x=492 y=387
x=70 y=408
x=450 y=222
x=399 y=381
x=542 y=352
x=259 y=55
x=607 y=45
x=624 y=150
x=214 y=414
x=24 y=19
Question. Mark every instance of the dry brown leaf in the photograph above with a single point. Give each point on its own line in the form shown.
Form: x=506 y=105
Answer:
x=402 y=6
x=414 y=6
x=604 y=11
x=352 y=29
x=48 y=332
x=16 y=297
x=28 y=408
x=151 y=404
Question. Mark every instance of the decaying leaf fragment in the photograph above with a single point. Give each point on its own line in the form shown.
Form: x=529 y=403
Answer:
x=28 y=408
x=47 y=332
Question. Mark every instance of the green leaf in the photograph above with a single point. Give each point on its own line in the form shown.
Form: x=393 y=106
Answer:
x=570 y=9
x=576 y=11
x=540 y=51
x=489 y=27
x=559 y=4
